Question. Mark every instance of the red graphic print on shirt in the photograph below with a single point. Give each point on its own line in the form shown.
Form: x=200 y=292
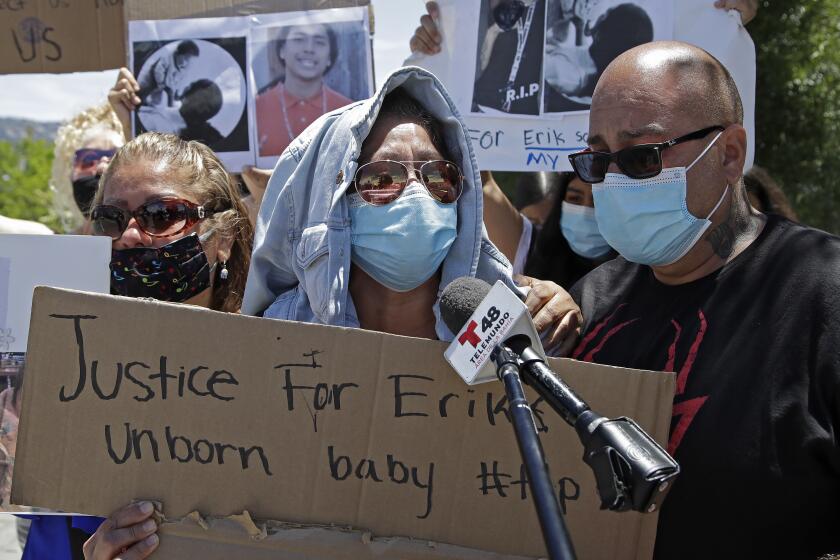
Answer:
x=685 y=409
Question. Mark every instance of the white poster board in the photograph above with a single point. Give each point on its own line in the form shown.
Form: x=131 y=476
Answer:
x=225 y=81
x=78 y=262
x=193 y=82
x=540 y=136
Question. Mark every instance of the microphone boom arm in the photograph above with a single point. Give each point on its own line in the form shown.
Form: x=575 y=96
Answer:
x=632 y=471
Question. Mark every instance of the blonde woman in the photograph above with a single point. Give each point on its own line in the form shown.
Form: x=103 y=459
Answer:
x=83 y=148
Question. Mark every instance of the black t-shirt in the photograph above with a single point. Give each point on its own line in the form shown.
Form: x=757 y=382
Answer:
x=756 y=350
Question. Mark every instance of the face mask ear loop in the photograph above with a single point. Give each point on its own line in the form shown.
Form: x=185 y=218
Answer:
x=726 y=190
x=703 y=153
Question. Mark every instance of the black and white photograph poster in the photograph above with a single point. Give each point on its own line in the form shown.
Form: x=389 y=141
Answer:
x=306 y=64
x=193 y=82
x=583 y=36
x=509 y=54
x=522 y=71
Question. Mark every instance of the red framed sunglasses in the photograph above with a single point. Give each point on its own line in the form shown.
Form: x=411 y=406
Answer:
x=382 y=182
x=157 y=218
x=89 y=157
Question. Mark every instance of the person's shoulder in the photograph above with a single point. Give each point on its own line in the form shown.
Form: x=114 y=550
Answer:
x=607 y=278
x=802 y=245
x=335 y=99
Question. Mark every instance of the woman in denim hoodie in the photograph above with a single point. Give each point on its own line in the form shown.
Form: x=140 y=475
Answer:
x=311 y=261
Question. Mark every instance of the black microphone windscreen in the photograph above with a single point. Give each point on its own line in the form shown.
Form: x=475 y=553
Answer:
x=460 y=299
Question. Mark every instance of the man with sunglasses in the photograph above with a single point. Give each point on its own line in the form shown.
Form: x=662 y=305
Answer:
x=742 y=307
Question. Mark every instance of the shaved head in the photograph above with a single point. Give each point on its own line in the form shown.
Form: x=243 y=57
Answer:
x=661 y=91
x=699 y=88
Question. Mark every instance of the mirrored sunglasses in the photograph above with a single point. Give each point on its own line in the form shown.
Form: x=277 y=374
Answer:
x=382 y=182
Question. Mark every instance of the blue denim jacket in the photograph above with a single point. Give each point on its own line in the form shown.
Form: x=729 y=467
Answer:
x=300 y=267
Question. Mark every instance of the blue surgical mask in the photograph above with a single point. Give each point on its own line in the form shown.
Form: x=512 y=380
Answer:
x=402 y=244
x=647 y=220
x=581 y=231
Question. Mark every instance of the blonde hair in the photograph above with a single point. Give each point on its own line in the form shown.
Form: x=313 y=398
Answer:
x=197 y=170
x=70 y=137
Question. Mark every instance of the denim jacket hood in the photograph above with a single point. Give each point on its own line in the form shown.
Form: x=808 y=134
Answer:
x=300 y=267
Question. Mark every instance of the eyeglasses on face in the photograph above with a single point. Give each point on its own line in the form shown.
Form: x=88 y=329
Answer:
x=89 y=157
x=639 y=162
x=158 y=218
x=382 y=182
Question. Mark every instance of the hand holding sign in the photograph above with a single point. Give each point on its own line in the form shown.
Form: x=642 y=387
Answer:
x=129 y=532
x=123 y=99
x=427 y=38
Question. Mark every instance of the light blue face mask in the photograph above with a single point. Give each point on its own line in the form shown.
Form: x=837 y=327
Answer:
x=581 y=231
x=647 y=220
x=402 y=244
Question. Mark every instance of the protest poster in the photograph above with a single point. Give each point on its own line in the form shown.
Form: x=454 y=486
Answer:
x=522 y=73
x=27 y=261
x=246 y=86
x=305 y=64
x=193 y=83
x=341 y=436
x=61 y=36
x=69 y=36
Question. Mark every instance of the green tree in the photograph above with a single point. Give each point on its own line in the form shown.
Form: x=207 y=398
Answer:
x=24 y=181
x=798 y=103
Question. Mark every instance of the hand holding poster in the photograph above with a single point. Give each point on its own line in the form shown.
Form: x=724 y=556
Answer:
x=523 y=74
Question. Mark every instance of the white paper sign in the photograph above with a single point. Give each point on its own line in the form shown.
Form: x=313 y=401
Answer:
x=246 y=86
x=78 y=262
x=541 y=114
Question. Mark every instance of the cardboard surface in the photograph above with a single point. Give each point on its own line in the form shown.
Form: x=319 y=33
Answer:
x=61 y=35
x=240 y=537
x=302 y=423
x=88 y=35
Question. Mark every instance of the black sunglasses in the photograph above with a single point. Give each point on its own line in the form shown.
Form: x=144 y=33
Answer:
x=639 y=162
x=158 y=218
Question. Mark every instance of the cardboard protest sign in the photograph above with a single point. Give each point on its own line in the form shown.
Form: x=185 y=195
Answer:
x=88 y=35
x=522 y=74
x=61 y=35
x=306 y=424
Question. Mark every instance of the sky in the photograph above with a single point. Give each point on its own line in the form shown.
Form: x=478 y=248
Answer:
x=57 y=97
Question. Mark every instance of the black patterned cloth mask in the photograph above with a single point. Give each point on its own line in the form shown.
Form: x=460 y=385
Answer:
x=175 y=272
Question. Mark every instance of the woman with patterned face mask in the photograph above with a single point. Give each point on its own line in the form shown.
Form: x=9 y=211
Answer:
x=180 y=234
x=179 y=230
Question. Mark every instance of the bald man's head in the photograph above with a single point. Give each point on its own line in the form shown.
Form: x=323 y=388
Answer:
x=698 y=86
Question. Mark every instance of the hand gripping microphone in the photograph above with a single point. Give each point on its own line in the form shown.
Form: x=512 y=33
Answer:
x=632 y=471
